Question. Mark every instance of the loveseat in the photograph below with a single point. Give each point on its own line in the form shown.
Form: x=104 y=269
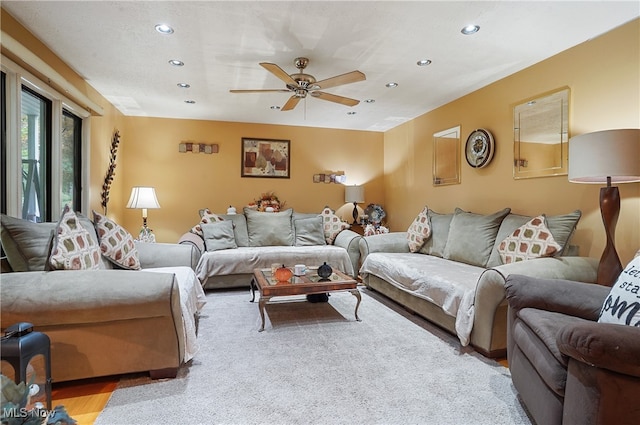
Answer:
x=455 y=278
x=567 y=366
x=233 y=245
x=103 y=321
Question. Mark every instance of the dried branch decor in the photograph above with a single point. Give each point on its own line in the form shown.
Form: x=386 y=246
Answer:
x=111 y=171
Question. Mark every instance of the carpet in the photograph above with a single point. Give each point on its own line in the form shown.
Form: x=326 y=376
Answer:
x=314 y=364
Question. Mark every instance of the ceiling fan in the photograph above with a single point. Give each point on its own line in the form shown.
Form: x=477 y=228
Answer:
x=301 y=84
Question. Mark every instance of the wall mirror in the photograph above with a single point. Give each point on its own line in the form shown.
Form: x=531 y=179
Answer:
x=446 y=157
x=541 y=135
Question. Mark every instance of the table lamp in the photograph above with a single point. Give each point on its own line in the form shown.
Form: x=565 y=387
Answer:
x=354 y=194
x=605 y=157
x=145 y=198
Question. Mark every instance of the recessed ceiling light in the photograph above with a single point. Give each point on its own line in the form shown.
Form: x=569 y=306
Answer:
x=370 y=101
x=275 y=108
x=184 y=85
x=470 y=29
x=190 y=102
x=176 y=62
x=164 y=29
x=392 y=84
x=423 y=62
x=351 y=113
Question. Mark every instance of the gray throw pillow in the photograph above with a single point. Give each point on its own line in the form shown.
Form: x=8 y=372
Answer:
x=239 y=227
x=309 y=231
x=218 y=235
x=436 y=244
x=562 y=227
x=269 y=228
x=472 y=236
x=26 y=244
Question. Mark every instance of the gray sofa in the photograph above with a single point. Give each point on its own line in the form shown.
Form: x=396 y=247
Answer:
x=567 y=367
x=107 y=321
x=260 y=239
x=456 y=279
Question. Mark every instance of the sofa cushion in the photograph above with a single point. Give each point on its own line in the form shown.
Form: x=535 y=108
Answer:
x=116 y=244
x=531 y=240
x=269 y=228
x=535 y=332
x=239 y=227
x=440 y=224
x=622 y=305
x=73 y=248
x=26 y=244
x=419 y=231
x=472 y=236
x=332 y=225
x=218 y=235
x=309 y=231
x=206 y=216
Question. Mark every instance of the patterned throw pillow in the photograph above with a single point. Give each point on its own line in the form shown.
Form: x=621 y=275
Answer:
x=332 y=225
x=73 y=247
x=419 y=231
x=531 y=240
x=622 y=305
x=207 y=217
x=116 y=243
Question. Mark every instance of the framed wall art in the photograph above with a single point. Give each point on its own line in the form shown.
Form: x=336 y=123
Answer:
x=265 y=158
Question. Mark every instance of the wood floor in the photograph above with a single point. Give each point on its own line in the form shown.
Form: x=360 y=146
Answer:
x=84 y=400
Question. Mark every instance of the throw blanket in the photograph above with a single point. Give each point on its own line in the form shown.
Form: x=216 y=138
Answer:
x=192 y=299
x=447 y=284
x=243 y=260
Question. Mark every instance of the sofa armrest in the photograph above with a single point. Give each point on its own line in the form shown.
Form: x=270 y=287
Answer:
x=350 y=240
x=385 y=242
x=603 y=345
x=577 y=299
x=154 y=255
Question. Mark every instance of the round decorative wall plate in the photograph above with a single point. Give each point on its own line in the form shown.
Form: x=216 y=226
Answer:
x=479 y=148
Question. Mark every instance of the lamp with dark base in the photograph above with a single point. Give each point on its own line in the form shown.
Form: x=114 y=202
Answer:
x=605 y=157
x=354 y=194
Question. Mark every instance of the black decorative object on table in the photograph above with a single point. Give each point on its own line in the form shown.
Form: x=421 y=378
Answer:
x=324 y=271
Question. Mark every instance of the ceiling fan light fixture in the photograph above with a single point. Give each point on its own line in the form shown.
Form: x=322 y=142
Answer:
x=184 y=85
x=391 y=84
x=176 y=62
x=424 y=62
x=470 y=29
x=164 y=29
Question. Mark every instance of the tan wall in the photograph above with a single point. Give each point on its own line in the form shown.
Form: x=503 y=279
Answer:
x=187 y=182
x=604 y=77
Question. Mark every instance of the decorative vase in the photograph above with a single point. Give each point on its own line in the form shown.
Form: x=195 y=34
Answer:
x=283 y=274
x=269 y=209
x=325 y=270
x=231 y=210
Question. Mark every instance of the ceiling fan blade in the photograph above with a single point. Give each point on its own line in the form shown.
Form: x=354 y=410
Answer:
x=335 y=98
x=280 y=73
x=291 y=103
x=338 y=80
x=261 y=91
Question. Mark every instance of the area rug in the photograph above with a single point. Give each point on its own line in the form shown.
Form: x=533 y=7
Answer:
x=315 y=364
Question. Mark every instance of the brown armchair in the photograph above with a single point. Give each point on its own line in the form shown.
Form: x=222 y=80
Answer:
x=566 y=367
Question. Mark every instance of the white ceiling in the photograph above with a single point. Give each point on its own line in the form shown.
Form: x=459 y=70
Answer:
x=114 y=46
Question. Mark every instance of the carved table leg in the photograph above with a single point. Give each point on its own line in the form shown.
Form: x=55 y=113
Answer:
x=261 y=303
x=356 y=294
x=252 y=284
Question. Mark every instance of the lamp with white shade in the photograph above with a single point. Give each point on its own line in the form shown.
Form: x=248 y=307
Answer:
x=354 y=194
x=144 y=198
x=606 y=157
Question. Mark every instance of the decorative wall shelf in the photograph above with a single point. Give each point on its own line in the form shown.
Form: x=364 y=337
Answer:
x=194 y=147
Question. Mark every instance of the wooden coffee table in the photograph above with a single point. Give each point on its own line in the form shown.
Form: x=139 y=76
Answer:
x=310 y=283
